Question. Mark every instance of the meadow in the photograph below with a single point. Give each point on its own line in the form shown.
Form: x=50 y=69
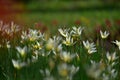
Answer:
x=55 y=42
x=69 y=55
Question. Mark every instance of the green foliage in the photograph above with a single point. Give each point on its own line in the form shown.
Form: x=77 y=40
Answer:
x=67 y=56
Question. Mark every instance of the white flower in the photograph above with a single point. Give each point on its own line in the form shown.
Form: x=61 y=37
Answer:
x=89 y=46
x=14 y=27
x=24 y=35
x=50 y=44
x=32 y=35
x=64 y=32
x=8 y=31
x=22 y=51
x=57 y=49
x=68 y=41
x=47 y=75
x=95 y=70
x=65 y=70
x=74 y=69
x=114 y=73
x=57 y=39
x=54 y=44
x=105 y=77
x=8 y=44
x=66 y=56
x=17 y=64
x=111 y=57
x=35 y=56
x=117 y=43
x=104 y=35
x=37 y=45
x=77 y=31
x=92 y=50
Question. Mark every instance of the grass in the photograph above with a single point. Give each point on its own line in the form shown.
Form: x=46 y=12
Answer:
x=88 y=15
x=59 y=58
x=54 y=16
x=71 y=5
x=53 y=20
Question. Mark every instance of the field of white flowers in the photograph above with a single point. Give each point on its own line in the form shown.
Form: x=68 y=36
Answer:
x=29 y=54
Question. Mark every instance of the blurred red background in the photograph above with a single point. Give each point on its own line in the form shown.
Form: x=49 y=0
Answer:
x=9 y=9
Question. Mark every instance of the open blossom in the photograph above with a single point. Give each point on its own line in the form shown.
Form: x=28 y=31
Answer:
x=50 y=44
x=47 y=75
x=24 y=35
x=14 y=27
x=110 y=74
x=66 y=70
x=34 y=56
x=89 y=46
x=95 y=70
x=114 y=73
x=57 y=49
x=38 y=45
x=117 y=43
x=92 y=50
x=68 y=41
x=17 y=64
x=54 y=44
x=9 y=29
x=32 y=35
x=22 y=51
x=77 y=31
x=66 y=56
x=64 y=32
x=111 y=57
x=8 y=44
x=104 y=35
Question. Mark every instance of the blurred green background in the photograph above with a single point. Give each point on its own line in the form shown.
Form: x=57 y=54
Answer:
x=51 y=14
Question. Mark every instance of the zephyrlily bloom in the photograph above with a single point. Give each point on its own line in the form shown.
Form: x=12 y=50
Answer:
x=111 y=57
x=66 y=70
x=38 y=45
x=77 y=31
x=32 y=35
x=17 y=64
x=64 y=32
x=22 y=51
x=66 y=56
x=104 y=35
x=53 y=44
x=68 y=41
x=117 y=43
x=89 y=46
